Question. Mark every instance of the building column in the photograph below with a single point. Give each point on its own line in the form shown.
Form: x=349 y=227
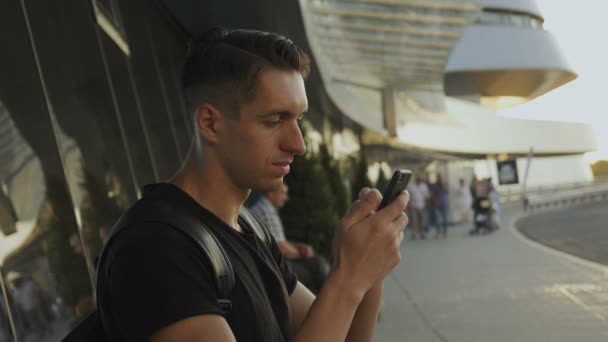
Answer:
x=389 y=111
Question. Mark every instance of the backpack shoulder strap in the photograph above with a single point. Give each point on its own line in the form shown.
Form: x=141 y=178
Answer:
x=180 y=220
x=258 y=227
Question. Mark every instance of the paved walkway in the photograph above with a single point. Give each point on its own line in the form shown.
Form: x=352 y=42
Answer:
x=494 y=288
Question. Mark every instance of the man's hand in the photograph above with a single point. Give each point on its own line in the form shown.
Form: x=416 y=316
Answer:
x=306 y=250
x=367 y=242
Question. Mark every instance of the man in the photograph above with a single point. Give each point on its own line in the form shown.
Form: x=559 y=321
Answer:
x=29 y=300
x=439 y=207
x=104 y=234
x=245 y=93
x=76 y=244
x=310 y=268
x=420 y=195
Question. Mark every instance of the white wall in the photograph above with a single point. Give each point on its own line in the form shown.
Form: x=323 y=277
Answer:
x=544 y=171
x=471 y=128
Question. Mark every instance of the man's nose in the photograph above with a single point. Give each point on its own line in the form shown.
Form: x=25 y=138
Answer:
x=294 y=141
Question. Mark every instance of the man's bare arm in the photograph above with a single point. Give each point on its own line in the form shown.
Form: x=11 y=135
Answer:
x=348 y=303
x=201 y=328
x=366 y=319
x=363 y=323
x=329 y=315
x=289 y=250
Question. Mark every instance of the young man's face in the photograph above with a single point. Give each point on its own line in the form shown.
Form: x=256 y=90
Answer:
x=257 y=147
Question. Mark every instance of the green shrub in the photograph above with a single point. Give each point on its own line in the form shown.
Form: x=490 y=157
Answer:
x=361 y=178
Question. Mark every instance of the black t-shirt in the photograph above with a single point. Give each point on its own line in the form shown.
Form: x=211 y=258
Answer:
x=154 y=276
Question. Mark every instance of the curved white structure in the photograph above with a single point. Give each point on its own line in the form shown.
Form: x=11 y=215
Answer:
x=517 y=6
x=472 y=129
x=506 y=53
x=386 y=43
x=368 y=49
x=389 y=64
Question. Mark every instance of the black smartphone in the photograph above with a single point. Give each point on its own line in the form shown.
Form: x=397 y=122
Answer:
x=397 y=184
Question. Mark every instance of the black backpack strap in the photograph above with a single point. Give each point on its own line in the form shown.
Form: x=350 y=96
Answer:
x=179 y=219
x=258 y=227
x=264 y=235
x=92 y=328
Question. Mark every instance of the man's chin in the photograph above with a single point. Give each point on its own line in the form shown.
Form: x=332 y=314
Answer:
x=269 y=186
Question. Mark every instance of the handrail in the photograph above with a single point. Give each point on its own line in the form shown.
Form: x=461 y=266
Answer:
x=567 y=198
x=510 y=195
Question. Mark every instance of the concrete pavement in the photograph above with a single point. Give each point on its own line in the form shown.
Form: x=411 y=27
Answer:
x=494 y=288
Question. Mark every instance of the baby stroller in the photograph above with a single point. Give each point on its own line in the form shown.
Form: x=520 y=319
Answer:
x=484 y=211
x=484 y=216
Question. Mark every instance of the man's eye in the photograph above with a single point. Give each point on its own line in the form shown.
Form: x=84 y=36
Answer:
x=272 y=123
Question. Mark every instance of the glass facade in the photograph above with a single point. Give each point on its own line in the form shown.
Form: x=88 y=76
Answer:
x=90 y=111
x=403 y=45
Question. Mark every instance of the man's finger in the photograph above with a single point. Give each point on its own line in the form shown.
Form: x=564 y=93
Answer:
x=394 y=209
x=401 y=222
x=362 y=208
x=363 y=192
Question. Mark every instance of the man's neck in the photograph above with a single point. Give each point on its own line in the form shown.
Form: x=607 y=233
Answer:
x=212 y=190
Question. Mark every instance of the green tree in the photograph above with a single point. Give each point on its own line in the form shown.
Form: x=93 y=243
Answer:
x=361 y=178
x=335 y=178
x=310 y=215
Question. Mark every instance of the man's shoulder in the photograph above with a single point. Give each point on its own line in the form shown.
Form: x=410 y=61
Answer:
x=147 y=238
x=152 y=219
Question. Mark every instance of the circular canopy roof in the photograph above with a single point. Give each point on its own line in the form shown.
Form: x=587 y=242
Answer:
x=401 y=44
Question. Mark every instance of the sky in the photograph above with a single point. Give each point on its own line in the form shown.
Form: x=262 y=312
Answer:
x=580 y=28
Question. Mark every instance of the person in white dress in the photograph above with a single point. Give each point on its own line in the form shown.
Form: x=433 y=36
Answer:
x=464 y=202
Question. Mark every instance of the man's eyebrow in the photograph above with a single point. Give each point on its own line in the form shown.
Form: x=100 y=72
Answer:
x=278 y=112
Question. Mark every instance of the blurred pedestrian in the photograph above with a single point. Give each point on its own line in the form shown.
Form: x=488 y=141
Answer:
x=104 y=234
x=464 y=200
x=495 y=198
x=30 y=301
x=76 y=244
x=439 y=207
x=311 y=269
x=4 y=322
x=419 y=195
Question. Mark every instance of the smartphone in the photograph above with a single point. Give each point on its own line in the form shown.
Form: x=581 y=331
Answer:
x=396 y=186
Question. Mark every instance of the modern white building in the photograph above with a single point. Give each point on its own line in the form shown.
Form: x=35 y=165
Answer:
x=428 y=76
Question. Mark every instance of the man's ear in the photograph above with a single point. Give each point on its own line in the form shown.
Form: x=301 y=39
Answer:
x=208 y=121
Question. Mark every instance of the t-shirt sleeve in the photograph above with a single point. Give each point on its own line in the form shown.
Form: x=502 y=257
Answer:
x=289 y=277
x=154 y=283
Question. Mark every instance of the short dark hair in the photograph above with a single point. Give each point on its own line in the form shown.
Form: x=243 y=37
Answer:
x=222 y=62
